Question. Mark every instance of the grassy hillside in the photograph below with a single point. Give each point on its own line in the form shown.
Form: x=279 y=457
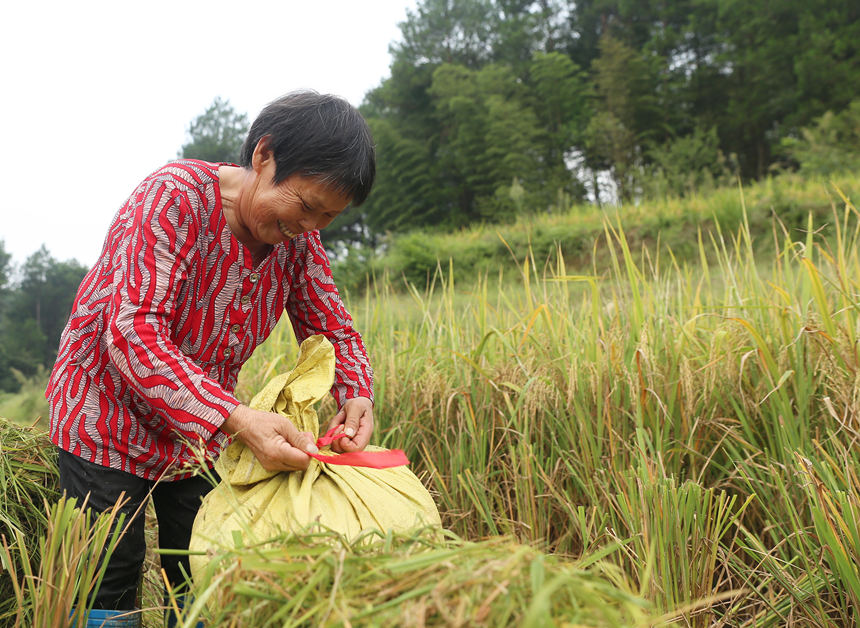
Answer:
x=672 y=224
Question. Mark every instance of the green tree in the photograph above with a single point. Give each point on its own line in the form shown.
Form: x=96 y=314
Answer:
x=756 y=71
x=626 y=104
x=489 y=138
x=524 y=28
x=826 y=61
x=759 y=40
x=401 y=116
x=559 y=94
x=688 y=164
x=493 y=98
x=216 y=134
x=830 y=145
x=458 y=32
x=6 y=377
x=468 y=127
x=5 y=269
x=405 y=193
x=34 y=312
x=785 y=63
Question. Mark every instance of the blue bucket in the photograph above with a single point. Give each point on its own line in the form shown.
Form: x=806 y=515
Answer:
x=103 y=618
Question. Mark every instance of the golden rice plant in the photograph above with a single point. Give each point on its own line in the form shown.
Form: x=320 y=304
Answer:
x=408 y=580
x=531 y=400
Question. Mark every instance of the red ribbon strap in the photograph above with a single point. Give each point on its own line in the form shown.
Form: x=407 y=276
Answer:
x=370 y=459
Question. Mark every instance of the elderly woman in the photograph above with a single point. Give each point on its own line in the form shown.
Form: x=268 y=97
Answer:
x=197 y=267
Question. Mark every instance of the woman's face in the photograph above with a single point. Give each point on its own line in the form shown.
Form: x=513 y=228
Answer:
x=270 y=213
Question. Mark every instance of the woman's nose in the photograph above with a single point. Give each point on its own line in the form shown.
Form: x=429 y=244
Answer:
x=308 y=223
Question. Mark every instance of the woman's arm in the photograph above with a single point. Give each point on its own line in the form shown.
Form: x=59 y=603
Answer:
x=150 y=261
x=315 y=307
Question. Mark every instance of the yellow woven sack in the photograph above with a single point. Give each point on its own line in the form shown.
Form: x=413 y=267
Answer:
x=260 y=504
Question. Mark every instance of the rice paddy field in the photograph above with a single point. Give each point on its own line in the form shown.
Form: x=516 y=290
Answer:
x=646 y=440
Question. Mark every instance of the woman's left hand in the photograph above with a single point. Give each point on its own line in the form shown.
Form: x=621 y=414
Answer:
x=356 y=417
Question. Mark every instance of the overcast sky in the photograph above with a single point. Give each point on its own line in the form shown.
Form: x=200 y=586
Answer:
x=98 y=94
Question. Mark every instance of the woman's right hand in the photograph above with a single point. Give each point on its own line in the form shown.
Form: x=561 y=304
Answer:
x=273 y=438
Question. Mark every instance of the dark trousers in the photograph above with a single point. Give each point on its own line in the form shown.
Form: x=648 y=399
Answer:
x=176 y=505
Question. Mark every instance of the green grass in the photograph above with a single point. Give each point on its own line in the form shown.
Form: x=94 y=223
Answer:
x=49 y=548
x=415 y=580
x=701 y=413
x=675 y=428
x=28 y=405
x=667 y=225
x=28 y=480
x=55 y=584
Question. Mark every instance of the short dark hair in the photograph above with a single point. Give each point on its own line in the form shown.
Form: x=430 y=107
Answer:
x=316 y=135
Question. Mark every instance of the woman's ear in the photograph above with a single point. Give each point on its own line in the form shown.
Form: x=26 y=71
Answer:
x=262 y=154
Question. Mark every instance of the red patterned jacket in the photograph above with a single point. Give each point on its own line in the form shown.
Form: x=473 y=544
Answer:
x=165 y=319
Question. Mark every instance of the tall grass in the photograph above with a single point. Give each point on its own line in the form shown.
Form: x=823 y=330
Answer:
x=662 y=404
x=28 y=479
x=685 y=426
x=58 y=581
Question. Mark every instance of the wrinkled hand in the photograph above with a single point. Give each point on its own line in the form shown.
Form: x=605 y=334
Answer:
x=356 y=417
x=273 y=438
